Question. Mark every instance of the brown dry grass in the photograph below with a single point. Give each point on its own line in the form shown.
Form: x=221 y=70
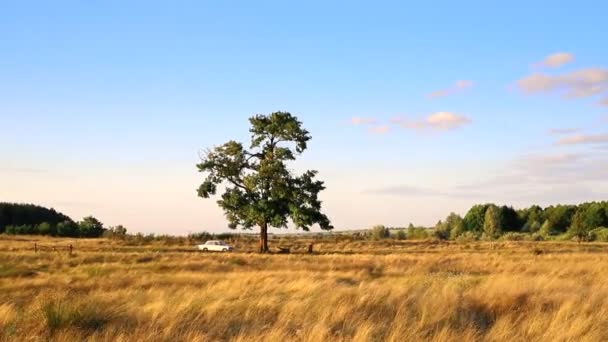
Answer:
x=362 y=291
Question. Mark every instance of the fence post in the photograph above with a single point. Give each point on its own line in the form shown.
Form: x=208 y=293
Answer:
x=70 y=249
x=35 y=248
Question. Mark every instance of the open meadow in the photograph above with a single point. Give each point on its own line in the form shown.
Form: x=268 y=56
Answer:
x=348 y=290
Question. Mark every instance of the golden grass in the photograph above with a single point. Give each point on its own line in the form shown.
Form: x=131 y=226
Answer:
x=361 y=291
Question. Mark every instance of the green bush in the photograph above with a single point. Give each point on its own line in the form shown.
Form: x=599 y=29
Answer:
x=379 y=232
x=10 y=230
x=21 y=230
x=67 y=228
x=44 y=228
x=418 y=233
x=599 y=234
x=90 y=227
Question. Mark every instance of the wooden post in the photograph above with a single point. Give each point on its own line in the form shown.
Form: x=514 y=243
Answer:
x=35 y=248
x=70 y=249
x=310 y=248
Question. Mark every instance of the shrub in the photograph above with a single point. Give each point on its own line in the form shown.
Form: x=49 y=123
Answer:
x=515 y=236
x=467 y=237
x=418 y=233
x=599 y=234
x=567 y=236
x=441 y=234
x=456 y=231
x=117 y=232
x=67 y=228
x=379 y=232
x=90 y=227
x=10 y=230
x=21 y=230
x=44 y=228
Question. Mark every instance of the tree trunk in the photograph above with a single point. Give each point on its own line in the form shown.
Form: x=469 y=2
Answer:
x=264 y=238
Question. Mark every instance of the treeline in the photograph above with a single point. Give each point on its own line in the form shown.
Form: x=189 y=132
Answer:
x=29 y=219
x=586 y=221
x=15 y=214
x=583 y=222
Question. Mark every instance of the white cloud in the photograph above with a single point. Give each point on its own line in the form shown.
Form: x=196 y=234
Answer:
x=362 y=121
x=458 y=86
x=439 y=121
x=580 y=83
x=583 y=139
x=557 y=59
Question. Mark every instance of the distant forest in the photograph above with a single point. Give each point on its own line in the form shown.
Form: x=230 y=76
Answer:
x=30 y=219
x=586 y=221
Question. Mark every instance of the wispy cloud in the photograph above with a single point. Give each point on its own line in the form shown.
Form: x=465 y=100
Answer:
x=535 y=177
x=458 y=86
x=580 y=83
x=556 y=60
x=545 y=177
x=583 y=139
x=438 y=121
x=542 y=160
x=382 y=129
x=559 y=131
x=362 y=121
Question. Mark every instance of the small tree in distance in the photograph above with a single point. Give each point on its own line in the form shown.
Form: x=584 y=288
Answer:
x=492 y=222
x=67 y=229
x=90 y=227
x=260 y=190
x=379 y=232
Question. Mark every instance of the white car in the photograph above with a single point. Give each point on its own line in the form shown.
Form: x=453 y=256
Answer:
x=215 y=246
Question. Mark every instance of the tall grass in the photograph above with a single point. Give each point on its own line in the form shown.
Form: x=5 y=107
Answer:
x=361 y=291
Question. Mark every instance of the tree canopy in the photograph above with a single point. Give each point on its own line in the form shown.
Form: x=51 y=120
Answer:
x=259 y=189
x=29 y=219
x=17 y=214
x=571 y=221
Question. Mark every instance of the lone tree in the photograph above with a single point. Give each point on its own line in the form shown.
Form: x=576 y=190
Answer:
x=259 y=188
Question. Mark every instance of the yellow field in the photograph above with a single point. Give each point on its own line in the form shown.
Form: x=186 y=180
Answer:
x=362 y=291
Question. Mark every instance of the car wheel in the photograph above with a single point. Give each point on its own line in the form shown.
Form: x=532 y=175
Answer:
x=225 y=250
x=205 y=250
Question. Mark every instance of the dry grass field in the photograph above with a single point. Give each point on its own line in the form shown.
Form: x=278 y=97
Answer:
x=361 y=291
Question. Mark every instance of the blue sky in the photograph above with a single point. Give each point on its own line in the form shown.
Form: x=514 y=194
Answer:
x=416 y=110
